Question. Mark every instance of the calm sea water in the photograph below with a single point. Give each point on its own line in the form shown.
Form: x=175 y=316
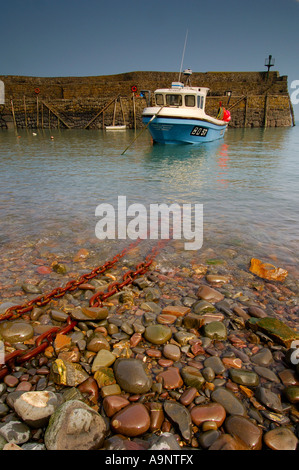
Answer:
x=247 y=183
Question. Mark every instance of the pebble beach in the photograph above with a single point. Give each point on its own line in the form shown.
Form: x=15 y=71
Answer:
x=196 y=354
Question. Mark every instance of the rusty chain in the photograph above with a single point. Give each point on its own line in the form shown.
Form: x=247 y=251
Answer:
x=45 y=339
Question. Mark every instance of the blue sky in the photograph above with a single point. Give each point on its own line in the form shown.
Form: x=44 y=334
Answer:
x=98 y=37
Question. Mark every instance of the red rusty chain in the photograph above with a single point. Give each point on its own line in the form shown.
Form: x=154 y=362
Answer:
x=41 y=343
x=45 y=339
x=17 y=310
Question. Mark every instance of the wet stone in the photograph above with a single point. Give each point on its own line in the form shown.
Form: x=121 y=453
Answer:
x=132 y=376
x=192 y=377
x=183 y=337
x=210 y=317
x=281 y=438
x=152 y=294
x=171 y=351
x=202 y=306
x=292 y=393
x=192 y=320
x=216 y=364
x=103 y=358
x=89 y=387
x=3 y=410
x=245 y=430
x=170 y=378
x=244 y=377
x=267 y=374
x=157 y=334
x=57 y=315
x=206 y=439
x=229 y=401
x=151 y=307
x=217 y=279
x=274 y=328
x=166 y=319
x=257 y=312
x=96 y=342
x=75 y=426
x=108 y=390
x=166 y=441
x=67 y=373
x=234 y=362
x=15 y=432
x=113 y=404
x=89 y=313
x=215 y=330
x=177 y=311
x=156 y=415
x=180 y=416
x=36 y=407
x=263 y=357
x=30 y=288
x=16 y=331
x=211 y=412
x=131 y=421
x=11 y=380
x=269 y=399
x=188 y=396
x=209 y=294
x=208 y=373
x=227 y=442
x=104 y=376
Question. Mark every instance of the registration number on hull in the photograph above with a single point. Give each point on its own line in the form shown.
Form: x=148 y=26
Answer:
x=199 y=131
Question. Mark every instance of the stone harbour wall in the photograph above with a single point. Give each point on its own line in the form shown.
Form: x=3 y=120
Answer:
x=257 y=100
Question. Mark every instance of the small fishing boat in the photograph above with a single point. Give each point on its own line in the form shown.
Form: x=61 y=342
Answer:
x=179 y=115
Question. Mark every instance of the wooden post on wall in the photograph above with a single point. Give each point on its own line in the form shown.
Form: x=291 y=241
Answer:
x=246 y=111
x=25 y=112
x=266 y=111
x=134 y=111
x=37 y=112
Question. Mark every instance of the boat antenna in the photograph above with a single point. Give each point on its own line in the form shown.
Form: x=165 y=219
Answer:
x=183 y=55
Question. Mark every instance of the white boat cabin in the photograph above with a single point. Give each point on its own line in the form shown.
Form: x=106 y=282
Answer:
x=180 y=96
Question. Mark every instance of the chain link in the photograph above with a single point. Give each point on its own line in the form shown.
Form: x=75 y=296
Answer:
x=45 y=339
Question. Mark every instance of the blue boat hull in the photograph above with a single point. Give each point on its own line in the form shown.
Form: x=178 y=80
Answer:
x=178 y=131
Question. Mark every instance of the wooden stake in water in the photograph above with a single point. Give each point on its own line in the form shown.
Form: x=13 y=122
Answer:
x=151 y=119
x=13 y=114
x=37 y=112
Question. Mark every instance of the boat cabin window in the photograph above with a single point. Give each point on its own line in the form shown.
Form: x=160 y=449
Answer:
x=200 y=102
x=159 y=99
x=174 y=100
x=190 y=100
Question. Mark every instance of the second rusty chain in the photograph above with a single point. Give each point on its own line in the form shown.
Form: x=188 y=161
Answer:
x=18 y=310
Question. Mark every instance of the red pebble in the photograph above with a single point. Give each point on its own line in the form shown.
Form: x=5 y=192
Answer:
x=44 y=270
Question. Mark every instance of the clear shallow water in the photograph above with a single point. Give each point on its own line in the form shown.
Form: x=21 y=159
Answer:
x=247 y=183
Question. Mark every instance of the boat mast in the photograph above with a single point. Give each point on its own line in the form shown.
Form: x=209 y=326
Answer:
x=183 y=55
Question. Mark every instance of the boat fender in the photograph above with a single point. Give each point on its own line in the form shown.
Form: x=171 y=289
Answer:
x=226 y=115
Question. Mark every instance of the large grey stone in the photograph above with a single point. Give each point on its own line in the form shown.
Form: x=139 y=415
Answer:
x=75 y=426
x=36 y=407
x=15 y=432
